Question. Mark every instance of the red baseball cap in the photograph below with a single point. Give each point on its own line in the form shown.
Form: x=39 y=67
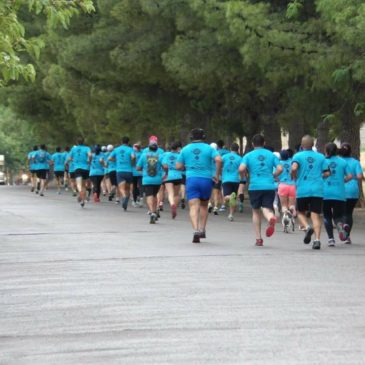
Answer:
x=153 y=139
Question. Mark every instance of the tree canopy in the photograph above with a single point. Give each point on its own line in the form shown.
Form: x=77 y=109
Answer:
x=234 y=67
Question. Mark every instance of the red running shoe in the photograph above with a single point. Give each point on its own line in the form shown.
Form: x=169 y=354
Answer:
x=259 y=242
x=271 y=227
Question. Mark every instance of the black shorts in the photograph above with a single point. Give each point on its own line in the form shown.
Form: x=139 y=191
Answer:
x=124 y=177
x=113 y=178
x=84 y=174
x=262 y=199
x=183 y=180
x=72 y=175
x=59 y=173
x=151 y=190
x=175 y=182
x=310 y=204
x=42 y=174
x=229 y=188
x=33 y=171
x=218 y=185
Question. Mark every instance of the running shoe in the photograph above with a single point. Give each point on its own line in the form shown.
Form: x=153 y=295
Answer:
x=215 y=210
x=316 y=245
x=230 y=218
x=210 y=208
x=153 y=218
x=308 y=235
x=240 y=207
x=203 y=234
x=160 y=207
x=341 y=232
x=125 y=203
x=259 y=242
x=134 y=204
x=222 y=208
x=301 y=228
x=331 y=242
x=173 y=211
x=32 y=190
x=74 y=193
x=182 y=203
x=37 y=191
x=271 y=227
x=196 y=237
x=348 y=241
x=41 y=194
x=158 y=215
x=233 y=200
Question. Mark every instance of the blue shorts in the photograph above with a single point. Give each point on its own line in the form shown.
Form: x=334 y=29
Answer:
x=199 y=188
x=126 y=177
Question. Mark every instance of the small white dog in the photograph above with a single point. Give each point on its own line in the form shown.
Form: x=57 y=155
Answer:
x=288 y=221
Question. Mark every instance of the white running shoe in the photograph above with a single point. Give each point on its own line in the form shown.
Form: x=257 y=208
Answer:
x=230 y=218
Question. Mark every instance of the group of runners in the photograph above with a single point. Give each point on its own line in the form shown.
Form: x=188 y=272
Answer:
x=305 y=185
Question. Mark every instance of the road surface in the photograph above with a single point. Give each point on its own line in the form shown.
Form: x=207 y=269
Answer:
x=101 y=286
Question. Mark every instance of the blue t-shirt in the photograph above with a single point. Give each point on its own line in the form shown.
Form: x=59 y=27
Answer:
x=42 y=159
x=96 y=167
x=170 y=159
x=309 y=181
x=138 y=154
x=111 y=165
x=32 y=164
x=352 y=186
x=71 y=165
x=151 y=164
x=80 y=157
x=231 y=164
x=334 y=185
x=222 y=151
x=198 y=158
x=285 y=177
x=123 y=156
x=159 y=150
x=59 y=159
x=260 y=164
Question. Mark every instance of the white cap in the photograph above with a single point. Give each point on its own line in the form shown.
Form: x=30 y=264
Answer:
x=110 y=147
x=314 y=148
x=214 y=145
x=103 y=148
x=277 y=154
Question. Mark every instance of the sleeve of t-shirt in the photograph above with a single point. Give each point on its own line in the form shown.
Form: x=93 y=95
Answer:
x=276 y=161
x=112 y=155
x=347 y=169
x=325 y=164
x=244 y=160
x=49 y=157
x=358 y=168
x=215 y=153
x=296 y=159
x=141 y=160
x=181 y=158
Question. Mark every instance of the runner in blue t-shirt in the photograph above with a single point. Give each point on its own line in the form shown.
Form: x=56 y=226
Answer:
x=231 y=178
x=96 y=172
x=307 y=170
x=42 y=159
x=59 y=159
x=196 y=158
x=150 y=163
x=80 y=155
x=173 y=178
x=137 y=178
x=353 y=187
x=334 y=195
x=260 y=164
x=125 y=158
x=70 y=167
x=111 y=174
x=33 y=167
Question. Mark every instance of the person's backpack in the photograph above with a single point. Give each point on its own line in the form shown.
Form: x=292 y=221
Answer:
x=152 y=161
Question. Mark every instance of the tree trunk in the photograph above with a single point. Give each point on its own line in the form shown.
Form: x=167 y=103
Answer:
x=350 y=131
x=272 y=132
x=322 y=135
x=296 y=132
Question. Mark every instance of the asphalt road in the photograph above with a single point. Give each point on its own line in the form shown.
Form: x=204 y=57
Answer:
x=101 y=286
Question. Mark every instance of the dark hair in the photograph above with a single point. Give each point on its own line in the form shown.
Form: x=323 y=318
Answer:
x=153 y=147
x=258 y=140
x=345 y=150
x=35 y=148
x=97 y=149
x=197 y=134
x=284 y=155
x=220 y=143
x=235 y=147
x=331 y=149
x=43 y=147
x=80 y=140
x=125 y=140
x=58 y=149
x=290 y=152
x=67 y=148
x=175 y=145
